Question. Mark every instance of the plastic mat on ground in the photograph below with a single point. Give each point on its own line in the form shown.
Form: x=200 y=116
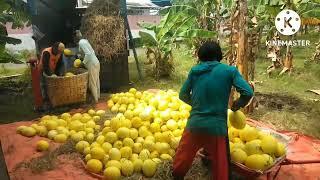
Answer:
x=304 y=153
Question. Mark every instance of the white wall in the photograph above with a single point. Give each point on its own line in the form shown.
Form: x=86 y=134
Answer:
x=27 y=43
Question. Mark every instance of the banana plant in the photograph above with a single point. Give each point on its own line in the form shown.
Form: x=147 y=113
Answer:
x=175 y=27
x=305 y=9
x=12 y=11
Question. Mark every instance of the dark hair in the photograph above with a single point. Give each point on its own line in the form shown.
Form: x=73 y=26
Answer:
x=210 y=51
x=55 y=48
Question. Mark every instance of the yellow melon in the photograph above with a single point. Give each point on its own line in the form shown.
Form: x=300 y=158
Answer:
x=127 y=168
x=237 y=119
x=238 y=155
x=97 y=153
x=253 y=147
x=115 y=154
x=149 y=168
x=94 y=165
x=269 y=144
x=42 y=145
x=281 y=150
x=256 y=162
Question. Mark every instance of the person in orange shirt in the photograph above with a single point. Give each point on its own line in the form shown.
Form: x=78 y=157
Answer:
x=51 y=59
x=50 y=64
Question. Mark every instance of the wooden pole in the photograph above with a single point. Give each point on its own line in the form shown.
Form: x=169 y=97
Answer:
x=125 y=16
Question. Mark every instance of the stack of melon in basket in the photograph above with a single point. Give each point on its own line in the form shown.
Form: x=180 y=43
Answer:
x=253 y=147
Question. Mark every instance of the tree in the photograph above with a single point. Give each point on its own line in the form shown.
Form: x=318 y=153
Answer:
x=306 y=9
x=12 y=11
x=178 y=25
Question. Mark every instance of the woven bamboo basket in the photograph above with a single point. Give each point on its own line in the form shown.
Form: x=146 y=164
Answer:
x=67 y=90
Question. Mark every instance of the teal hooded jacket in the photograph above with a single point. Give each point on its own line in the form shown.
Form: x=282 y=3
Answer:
x=207 y=90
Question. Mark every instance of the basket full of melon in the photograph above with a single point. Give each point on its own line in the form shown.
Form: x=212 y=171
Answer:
x=254 y=150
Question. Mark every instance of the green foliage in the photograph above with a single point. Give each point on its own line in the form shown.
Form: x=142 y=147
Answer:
x=178 y=25
x=12 y=11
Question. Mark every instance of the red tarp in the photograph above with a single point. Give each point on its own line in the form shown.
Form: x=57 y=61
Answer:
x=303 y=158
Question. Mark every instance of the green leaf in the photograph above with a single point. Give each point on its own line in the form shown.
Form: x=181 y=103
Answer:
x=275 y=2
x=147 y=26
x=227 y=3
x=4 y=18
x=189 y=9
x=197 y=33
x=272 y=10
x=148 y=39
x=187 y=24
x=5 y=57
x=3 y=6
x=315 y=13
x=167 y=24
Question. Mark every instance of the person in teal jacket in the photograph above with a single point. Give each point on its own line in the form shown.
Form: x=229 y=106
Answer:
x=207 y=90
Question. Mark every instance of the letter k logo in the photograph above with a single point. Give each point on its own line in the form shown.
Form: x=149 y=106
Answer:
x=287 y=22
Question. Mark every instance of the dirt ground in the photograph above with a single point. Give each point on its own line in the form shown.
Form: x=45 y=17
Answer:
x=288 y=113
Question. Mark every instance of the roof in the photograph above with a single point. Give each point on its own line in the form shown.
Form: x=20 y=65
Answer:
x=161 y=3
x=140 y=3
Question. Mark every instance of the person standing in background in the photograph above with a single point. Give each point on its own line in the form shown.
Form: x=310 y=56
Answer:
x=91 y=62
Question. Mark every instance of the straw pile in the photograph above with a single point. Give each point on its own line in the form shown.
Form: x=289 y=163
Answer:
x=47 y=161
x=103 y=26
x=164 y=172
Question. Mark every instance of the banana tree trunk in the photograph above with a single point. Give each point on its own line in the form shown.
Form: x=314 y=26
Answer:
x=274 y=54
x=217 y=26
x=163 y=65
x=305 y=29
x=316 y=55
x=242 y=58
x=288 y=61
x=251 y=58
x=241 y=14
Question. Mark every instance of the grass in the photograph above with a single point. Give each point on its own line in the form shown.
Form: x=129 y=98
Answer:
x=4 y=71
x=284 y=90
x=183 y=63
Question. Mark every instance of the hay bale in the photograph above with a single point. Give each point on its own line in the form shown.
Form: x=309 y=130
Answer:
x=103 y=26
x=104 y=8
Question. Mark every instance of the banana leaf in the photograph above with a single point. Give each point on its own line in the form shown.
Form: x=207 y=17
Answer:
x=4 y=6
x=315 y=13
x=4 y=18
x=5 y=57
x=148 y=39
x=147 y=26
x=197 y=33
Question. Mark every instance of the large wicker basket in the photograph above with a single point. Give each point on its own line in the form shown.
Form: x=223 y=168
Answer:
x=67 y=90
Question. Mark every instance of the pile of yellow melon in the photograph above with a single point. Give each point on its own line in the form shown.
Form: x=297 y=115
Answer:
x=77 y=127
x=145 y=130
x=250 y=146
